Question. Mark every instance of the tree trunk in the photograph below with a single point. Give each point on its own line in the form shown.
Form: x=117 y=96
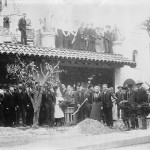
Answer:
x=37 y=103
x=37 y=106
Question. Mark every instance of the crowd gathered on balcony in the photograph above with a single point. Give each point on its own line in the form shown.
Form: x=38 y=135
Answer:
x=86 y=37
x=78 y=36
x=75 y=35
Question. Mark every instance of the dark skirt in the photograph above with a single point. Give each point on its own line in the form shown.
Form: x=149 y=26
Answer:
x=96 y=111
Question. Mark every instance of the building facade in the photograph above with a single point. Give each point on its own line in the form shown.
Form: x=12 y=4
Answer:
x=79 y=65
x=136 y=47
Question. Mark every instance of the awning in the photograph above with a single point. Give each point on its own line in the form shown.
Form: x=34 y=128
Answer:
x=66 y=54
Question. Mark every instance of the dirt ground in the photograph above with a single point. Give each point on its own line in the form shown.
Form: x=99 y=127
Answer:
x=10 y=137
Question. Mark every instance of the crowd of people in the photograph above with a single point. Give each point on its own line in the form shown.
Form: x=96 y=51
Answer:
x=78 y=36
x=99 y=103
x=104 y=104
x=86 y=37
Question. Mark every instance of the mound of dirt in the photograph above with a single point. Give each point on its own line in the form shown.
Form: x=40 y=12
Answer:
x=90 y=126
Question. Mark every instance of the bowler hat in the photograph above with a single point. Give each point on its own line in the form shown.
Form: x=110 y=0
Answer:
x=139 y=82
x=120 y=87
x=124 y=88
x=90 y=85
x=130 y=85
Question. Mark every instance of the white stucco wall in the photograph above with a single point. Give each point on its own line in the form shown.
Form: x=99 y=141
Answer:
x=137 y=40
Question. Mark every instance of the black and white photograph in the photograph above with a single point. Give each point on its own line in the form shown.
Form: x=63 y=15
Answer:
x=74 y=75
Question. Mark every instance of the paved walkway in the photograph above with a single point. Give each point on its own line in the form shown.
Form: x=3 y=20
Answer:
x=96 y=142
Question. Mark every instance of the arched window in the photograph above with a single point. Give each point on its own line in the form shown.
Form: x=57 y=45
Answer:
x=135 y=56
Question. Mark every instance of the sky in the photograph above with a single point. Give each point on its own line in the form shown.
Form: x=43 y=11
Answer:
x=126 y=14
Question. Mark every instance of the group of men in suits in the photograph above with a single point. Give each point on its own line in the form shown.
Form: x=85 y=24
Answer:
x=15 y=107
x=85 y=110
x=124 y=93
x=84 y=38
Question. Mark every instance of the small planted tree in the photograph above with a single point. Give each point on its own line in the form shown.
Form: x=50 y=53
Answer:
x=34 y=79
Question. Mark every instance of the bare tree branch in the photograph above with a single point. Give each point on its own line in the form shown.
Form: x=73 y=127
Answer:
x=57 y=64
x=42 y=71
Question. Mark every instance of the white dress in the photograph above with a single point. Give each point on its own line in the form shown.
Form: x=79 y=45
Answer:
x=114 y=110
x=58 y=111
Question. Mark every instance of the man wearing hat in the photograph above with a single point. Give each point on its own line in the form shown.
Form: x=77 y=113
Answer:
x=131 y=98
x=141 y=94
x=120 y=98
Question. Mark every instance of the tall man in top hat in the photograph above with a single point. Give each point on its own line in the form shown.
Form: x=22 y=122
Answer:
x=22 y=28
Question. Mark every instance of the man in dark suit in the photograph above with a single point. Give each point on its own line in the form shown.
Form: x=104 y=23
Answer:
x=131 y=98
x=9 y=107
x=91 y=41
x=108 y=42
x=141 y=94
x=22 y=28
x=120 y=97
x=107 y=105
x=1 y=108
x=49 y=100
x=80 y=96
x=90 y=97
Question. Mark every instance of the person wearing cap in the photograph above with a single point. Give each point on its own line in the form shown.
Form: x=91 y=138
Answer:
x=120 y=97
x=141 y=94
x=22 y=28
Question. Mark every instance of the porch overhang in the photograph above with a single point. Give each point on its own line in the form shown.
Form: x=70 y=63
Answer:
x=69 y=56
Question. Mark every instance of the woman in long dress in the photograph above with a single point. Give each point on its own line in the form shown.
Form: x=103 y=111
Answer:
x=97 y=103
x=114 y=108
x=58 y=114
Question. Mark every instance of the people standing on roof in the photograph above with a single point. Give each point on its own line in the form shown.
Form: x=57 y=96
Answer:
x=22 y=28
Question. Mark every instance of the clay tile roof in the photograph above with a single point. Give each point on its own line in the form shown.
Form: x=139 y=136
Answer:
x=66 y=54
